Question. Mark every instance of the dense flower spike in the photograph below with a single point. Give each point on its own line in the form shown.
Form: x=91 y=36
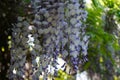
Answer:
x=19 y=48
x=57 y=29
x=76 y=16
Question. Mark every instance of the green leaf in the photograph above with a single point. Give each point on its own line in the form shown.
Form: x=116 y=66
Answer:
x=87 y=65
x=27 y=1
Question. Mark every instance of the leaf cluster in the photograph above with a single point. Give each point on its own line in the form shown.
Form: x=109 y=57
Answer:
x=103 y=45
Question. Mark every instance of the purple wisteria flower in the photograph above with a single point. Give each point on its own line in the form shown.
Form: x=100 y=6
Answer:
x=58 y=29
x=78 y=40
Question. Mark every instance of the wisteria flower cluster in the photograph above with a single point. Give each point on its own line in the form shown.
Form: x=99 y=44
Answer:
x=58 y=28
x=78 y=40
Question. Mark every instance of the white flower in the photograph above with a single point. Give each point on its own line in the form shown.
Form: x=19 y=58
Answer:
x=14 y=71
x=61 y=62
x=82 y=76
x=27 y=65
x=51 y=69
x=31 y=39
x=37 y=59
x=30 y=27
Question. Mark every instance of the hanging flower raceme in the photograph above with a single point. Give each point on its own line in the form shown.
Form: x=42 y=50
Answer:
x=57 y=29
x=76 y=16
x=19 y=48
x=49 y=20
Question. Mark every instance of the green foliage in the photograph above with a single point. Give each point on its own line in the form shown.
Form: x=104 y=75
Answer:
x=27 y=1
x=63 y=76
x=103 y=45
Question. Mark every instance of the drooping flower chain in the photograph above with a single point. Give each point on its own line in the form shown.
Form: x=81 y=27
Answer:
x=75 y=31
x=53 y=13
x=56 y=24
x=76 y=16
x=19 y=48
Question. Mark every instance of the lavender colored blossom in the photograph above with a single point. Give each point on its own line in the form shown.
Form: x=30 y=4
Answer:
x=78 y=46
x=57 y=29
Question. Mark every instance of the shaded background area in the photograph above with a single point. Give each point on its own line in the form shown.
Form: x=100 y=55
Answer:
x=9 y=11
x=8 y=14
